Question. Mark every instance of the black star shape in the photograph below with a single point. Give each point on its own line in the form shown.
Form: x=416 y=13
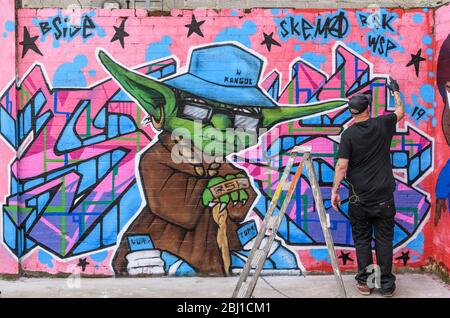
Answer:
x=120 y=33
x=269 y=41
x=82 y=262
x=345 y=257
x=194 y=26
x=415 y=60
x=28 y=43
x=405 y=257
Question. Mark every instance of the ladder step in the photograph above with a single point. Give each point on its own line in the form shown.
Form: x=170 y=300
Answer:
x=301 y=149
x=271 y=223
x=259 y=254
x=243 y=290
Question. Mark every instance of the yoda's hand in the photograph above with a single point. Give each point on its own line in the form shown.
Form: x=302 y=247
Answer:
x=237 y=196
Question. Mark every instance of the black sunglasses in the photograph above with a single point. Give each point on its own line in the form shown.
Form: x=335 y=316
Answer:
x=203 y=113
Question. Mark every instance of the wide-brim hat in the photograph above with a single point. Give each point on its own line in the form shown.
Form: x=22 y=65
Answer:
x=224 y=73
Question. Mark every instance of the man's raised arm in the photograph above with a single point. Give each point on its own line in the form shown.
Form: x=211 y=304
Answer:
x=399 y=106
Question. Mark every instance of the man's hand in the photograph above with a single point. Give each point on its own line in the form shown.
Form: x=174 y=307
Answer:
x=335 y=200
x=395 y=91
x=441 y=207
x=235 y=196
x=393 y=85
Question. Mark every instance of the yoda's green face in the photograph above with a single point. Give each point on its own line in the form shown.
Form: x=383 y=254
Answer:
x=216 y=129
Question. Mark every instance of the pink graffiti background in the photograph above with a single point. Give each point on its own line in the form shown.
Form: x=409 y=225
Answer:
x=295 y=71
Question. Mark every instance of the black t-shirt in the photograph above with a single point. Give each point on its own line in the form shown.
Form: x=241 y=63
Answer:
x=366 y=145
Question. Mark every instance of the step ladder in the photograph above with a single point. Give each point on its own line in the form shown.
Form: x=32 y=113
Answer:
x=271 y=223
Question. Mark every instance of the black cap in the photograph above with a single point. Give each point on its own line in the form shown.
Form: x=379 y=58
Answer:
x=358 y=103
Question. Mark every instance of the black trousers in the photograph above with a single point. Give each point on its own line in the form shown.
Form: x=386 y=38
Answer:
x=367 y=220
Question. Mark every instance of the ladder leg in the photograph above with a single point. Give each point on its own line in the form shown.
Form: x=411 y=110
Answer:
x=324 y=223
x=259 y=238
x=245 y=289
x=277 y=223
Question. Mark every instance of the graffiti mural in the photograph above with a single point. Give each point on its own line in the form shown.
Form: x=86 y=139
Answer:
x=68 y=27
x=440 y=239
x=443 y=84
x=8 y=25
x=216 y=196
x=126 y=163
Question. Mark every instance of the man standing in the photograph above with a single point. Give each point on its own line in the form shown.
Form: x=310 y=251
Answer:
x=364 y=162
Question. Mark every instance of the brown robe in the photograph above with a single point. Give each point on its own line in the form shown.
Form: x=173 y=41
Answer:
x=175 y=217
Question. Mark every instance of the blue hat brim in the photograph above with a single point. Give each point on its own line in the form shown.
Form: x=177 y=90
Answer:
x=242 y=96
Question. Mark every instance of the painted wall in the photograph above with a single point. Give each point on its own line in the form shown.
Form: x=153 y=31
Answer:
x=92 y=190
x=441 y=235
x=10 y=265
x=194 y=4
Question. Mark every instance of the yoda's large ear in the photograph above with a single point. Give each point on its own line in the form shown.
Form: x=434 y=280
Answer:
x=273 y=116
x=150 y=94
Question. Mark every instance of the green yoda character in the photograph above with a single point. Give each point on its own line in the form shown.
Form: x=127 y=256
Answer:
x=195 y=197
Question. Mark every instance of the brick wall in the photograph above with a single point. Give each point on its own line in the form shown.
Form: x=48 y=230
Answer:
x=193 y=4
x=8 y=56
x=73 y=192
x=441 y=233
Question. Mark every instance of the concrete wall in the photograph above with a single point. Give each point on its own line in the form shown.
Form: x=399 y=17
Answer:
x=193 y=4
x=90 y=188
